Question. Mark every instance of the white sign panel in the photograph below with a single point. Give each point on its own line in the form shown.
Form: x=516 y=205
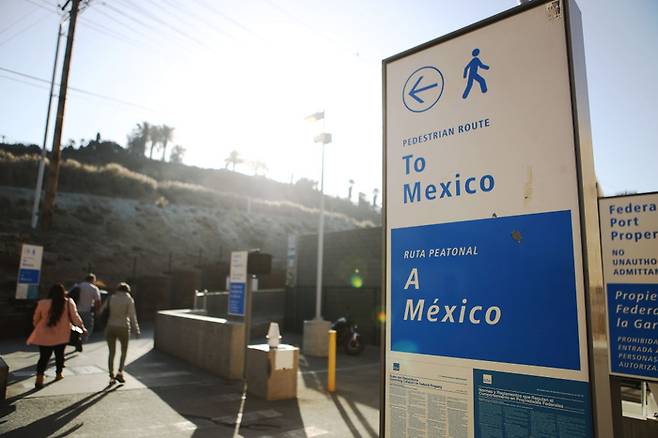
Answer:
x=485 y=296
x=629 y=242
x=29 y=272
x=238 y=270
x=238 y=283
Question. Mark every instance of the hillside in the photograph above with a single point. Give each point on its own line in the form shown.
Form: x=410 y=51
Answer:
x=124 y=224
x=102 y=154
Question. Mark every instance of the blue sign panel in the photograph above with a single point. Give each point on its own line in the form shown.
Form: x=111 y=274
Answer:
x=29 y=276
x=514 y=405
x=499 y=289
x=236 y=299
x=633 y=326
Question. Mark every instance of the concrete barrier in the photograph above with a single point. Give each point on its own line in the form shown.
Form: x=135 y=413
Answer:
x=4 y=375
x=212 y=343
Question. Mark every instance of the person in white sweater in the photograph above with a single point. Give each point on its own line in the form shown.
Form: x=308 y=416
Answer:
x=120 y=322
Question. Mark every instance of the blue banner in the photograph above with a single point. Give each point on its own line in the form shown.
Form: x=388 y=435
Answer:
x=521 y=406
x=29 y=276
x=633 y=326
x=236 y=299
x=499 y=289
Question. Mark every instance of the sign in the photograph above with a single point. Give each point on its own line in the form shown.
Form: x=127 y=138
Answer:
x=29 y=272
x=485 y=281
x=237 y=283
x=629 y=242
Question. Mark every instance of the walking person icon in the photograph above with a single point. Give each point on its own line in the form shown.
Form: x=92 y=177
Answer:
x=471 y=70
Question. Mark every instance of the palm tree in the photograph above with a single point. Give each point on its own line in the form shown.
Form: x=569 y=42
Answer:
x=166 y=135
x=258 y=166
x=375 y=192
x=177 y=154
x=233 y=159
x=349 y=190
x=154 y=136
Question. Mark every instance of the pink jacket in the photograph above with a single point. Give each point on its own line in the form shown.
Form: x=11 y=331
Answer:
x=60 y=332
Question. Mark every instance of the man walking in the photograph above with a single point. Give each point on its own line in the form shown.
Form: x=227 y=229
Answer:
x=89 y=303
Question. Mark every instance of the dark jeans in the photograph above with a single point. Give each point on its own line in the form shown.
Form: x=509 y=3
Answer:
x=112 y=334
x=44 y=356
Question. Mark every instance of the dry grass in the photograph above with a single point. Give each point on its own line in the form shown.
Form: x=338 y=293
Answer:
x=114 y=180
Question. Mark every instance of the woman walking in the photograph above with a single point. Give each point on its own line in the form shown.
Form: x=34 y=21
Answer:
x=121 y=319
x=52 y=330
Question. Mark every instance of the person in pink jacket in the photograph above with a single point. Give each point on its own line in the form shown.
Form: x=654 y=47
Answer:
x=52 y=329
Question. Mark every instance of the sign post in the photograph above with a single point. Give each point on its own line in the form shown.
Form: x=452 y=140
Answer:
x=239 y=296
x=491 y=234
x=29 y=272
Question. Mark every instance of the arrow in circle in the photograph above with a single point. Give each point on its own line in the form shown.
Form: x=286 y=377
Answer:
x=415 y=90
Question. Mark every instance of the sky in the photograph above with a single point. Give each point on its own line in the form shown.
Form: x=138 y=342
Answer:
x=243 y=75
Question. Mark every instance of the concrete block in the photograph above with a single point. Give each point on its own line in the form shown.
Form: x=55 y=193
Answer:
x=268 y=376
x=213 y=344
x=4 y=375
x=315 y=340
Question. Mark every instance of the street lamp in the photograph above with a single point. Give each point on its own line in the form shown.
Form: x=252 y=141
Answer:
x=315 y=341
x=324 y=139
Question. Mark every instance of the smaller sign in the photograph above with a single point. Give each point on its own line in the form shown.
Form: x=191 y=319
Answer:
x=238 y=283
x=238 y=272
x=236 y=299
x=29 y=272
x=629 y=245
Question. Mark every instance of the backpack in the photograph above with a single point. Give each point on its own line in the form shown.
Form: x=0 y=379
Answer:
x=75 y=294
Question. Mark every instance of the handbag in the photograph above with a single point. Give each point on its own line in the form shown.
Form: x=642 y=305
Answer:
x=75 y=339
x=105 y=313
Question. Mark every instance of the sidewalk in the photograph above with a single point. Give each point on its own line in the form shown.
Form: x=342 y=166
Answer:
x=165 y=397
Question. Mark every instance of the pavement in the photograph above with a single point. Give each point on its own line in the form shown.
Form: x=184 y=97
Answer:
x=166 y=397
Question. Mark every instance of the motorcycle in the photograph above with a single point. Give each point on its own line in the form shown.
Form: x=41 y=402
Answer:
x=347 y=336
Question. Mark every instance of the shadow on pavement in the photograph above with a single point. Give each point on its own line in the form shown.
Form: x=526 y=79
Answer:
x=49 y=425
x=216 y=406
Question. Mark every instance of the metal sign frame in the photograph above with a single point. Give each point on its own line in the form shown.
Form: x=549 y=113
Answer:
x=587 y=203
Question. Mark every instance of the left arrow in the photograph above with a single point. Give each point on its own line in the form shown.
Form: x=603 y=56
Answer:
x=415 y=90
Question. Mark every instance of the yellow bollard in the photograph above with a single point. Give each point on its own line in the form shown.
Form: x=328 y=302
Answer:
x=331 y=367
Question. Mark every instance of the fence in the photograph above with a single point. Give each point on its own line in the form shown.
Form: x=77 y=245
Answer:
x=362 y=305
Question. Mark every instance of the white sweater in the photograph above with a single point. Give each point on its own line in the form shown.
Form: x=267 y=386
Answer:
x=122 y=311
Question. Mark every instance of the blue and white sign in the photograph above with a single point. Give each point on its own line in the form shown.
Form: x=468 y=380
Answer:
x=530 y=406
x=629 y=243
x=484 y=251
x=236 y=299
x=29 y=272
x=480 y=289
x=238 y=283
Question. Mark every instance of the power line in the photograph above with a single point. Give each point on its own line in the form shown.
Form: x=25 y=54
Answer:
x=358 y=54
x=42 y=87
x=78 y=90
x=18 y=20
x=158 y=20
x=23 y=30
x=194 y=16
x=226 y=17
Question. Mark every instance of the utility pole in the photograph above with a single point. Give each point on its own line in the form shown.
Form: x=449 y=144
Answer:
x=53 y=173
x=42 y=163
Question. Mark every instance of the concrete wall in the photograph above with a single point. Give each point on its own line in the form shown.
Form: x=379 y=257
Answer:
x=211 y=343
x=345 y=252
x=267 y=306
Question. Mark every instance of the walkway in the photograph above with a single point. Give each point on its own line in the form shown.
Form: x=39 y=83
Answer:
x=165 y=397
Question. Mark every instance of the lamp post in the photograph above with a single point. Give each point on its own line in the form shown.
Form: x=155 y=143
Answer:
x=315 y=331
x=324 y=139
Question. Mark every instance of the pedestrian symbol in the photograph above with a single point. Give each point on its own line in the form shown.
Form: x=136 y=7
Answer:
x=471 y=70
